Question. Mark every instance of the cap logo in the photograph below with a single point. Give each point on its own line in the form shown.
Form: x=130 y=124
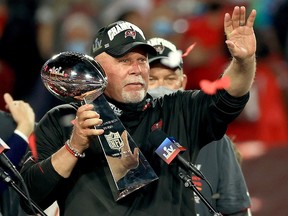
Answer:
x=123 y=26
x=97 y=45
x=158 y=42
x=159 y=48
x=130 y=33
x=166 y=52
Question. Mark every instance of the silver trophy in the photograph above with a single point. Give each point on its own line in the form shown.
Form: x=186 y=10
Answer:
x=75 y=77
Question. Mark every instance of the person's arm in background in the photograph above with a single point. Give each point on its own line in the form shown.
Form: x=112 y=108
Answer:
x=24 y=117
x=241 y=43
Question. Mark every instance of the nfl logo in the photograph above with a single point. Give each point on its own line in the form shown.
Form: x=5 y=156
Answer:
x=114 y=140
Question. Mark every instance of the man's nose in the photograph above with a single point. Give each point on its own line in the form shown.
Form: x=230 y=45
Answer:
x=136 y=68
x=161 y=82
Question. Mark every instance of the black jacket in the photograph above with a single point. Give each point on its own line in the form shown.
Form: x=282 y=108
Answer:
x=192 y=117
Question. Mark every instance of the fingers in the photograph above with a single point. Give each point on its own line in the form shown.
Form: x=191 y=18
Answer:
x=84 y=108
x=86 y=121
x=228 y=27
x=8 y=99
x=84 y=127
x=251 y=18
x=242 y=17
x=87 y=117
x=16 y=105
x=239 y=16
x=236 y=16
x=238 y=19
x=22 y=114
x=124 y=137
x=125 y=150
x=136 y=151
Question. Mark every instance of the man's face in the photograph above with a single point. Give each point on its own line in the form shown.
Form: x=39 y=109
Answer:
x=127 y=76
x=165 y=77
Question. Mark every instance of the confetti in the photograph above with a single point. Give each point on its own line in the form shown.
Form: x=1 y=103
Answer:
x=174 y=59
x=32 y=146
x=211 y=87
x=188 y=50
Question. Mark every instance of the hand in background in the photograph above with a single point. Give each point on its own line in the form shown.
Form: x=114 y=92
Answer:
x=22 y=114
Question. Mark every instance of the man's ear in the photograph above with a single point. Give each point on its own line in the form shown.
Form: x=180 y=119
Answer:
x=184 y=81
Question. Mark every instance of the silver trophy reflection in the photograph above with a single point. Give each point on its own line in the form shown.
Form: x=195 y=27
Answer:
x=75 y=77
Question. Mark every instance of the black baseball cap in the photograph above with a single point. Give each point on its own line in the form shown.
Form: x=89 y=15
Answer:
x=166 y=53
x=119 y=38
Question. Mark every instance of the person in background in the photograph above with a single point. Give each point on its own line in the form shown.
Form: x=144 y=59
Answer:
x=218 y=161
x=74 y=175
x=73 y=32
x=19 y=33
x=76 y=32
x=17 y=124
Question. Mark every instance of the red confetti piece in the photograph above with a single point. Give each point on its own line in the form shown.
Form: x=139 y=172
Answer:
x=211 y=87
x=32 y=146
x=188 y=50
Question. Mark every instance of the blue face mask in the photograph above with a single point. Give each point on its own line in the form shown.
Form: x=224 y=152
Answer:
x=77 y=46
x=160 y=91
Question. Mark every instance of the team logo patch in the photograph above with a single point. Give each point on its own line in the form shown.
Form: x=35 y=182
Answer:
x=159 y=48
x=114 y=140
x=157 y=125
x=130 y=33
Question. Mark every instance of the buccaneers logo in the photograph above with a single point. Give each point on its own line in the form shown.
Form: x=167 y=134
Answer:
x=130 y=33
x=159 y=48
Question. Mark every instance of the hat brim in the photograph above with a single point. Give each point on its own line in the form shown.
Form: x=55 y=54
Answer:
x=159 y=58
x=120 y=51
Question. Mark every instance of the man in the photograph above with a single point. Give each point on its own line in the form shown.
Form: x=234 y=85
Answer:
x=217 y=160
x=78 y=182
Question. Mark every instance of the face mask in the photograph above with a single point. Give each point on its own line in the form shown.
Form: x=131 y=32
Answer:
x=160 y=91
x=76 y=46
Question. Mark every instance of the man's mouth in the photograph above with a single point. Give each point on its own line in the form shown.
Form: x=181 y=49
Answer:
x=134 y=85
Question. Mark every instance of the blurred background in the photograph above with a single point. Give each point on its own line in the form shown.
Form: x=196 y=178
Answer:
x=32 y=31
